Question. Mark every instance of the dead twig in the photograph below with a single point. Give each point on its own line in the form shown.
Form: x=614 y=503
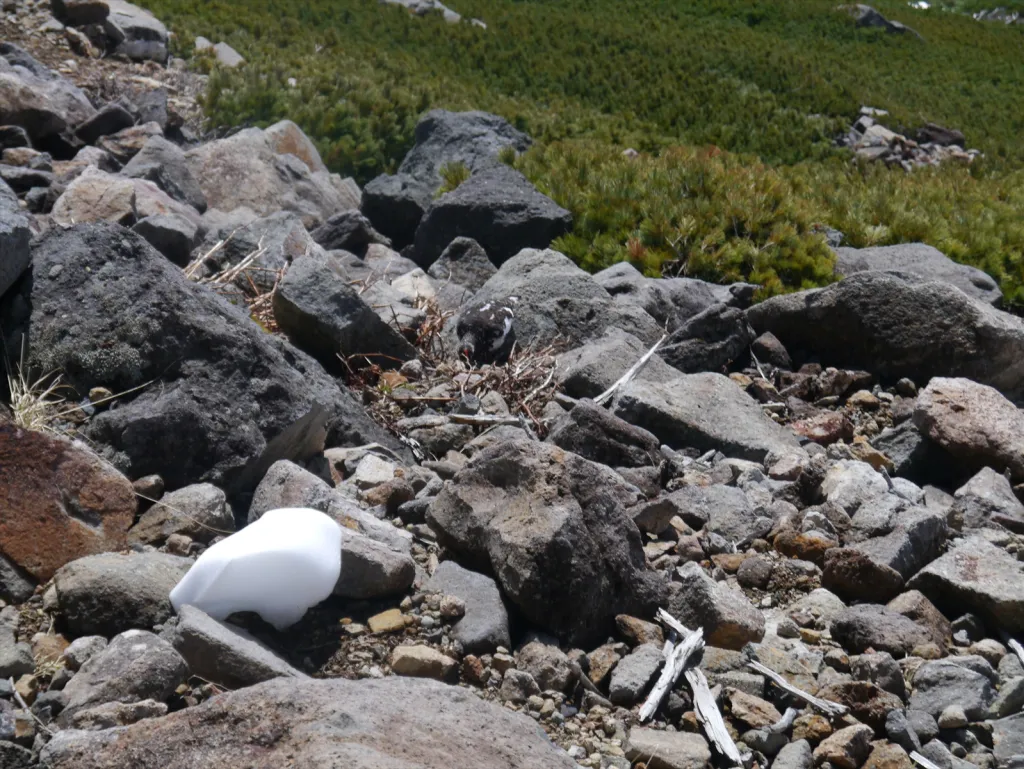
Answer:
x=633 y=370
x=27 y=709
x=829 y=708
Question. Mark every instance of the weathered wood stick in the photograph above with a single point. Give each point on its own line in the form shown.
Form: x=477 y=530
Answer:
x=829 y=708
x=633 y=370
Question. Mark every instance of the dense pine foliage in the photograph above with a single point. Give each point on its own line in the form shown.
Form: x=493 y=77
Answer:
x=770 y=84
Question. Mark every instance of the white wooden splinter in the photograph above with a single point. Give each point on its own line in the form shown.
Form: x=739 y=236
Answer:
x=279 y=566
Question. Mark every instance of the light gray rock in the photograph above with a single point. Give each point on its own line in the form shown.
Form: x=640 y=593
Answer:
x=244 y=170
x=517 y=686
x=38 y=100
x=589 y=370
x=227 y=56
x=111 y=714
x=704 y=411
x=1009 y=700
x=669 y=750
x=110 y=593
x=372 y=570
x=199 y=511
x=485 y=625
x=900 y=730
x=559 y=300
x=83 y=649
x=795 y=755
x=729 y=620
x=866 y=626
x=164 y=164
x=634 y=672
x=881 y=669
x=979 y=576
x=974 y=423
x=941 y=683
x=139 y=34
x=548 y=665
x=15 y=658
x=137 y=665
x=1008 y=738
x=670 y=301
x=362 y=724
x=987 y=499
x=224 y=654
x=902 y=328
x=922 y=260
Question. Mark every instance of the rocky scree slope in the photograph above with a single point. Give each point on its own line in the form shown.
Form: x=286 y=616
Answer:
x=828 y=483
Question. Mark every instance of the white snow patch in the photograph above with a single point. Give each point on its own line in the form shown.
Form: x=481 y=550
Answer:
x=278 y=567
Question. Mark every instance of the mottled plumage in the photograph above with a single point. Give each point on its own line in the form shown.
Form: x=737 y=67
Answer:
x=485 y=331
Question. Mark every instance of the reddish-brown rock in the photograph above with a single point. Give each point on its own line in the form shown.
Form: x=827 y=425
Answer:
x=824 y=428
x=59 y=500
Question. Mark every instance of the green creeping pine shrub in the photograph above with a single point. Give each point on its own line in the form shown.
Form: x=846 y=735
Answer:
x=452 y=175
x=773 y=82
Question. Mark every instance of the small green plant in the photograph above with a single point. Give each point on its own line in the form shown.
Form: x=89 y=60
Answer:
x=507 y=155
x=452 y=175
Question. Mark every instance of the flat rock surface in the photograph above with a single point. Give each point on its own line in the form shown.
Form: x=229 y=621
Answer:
x=398 y=722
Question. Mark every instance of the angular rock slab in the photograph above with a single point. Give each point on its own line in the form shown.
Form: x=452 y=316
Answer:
x=552 y=528
x=38 y=100
x=60 y=502
x=897 y=326
x=409 y=722
x=485 y=625
x=923 y=260
x=225 y=654
x=976 y=575
x=704 y=411
x=974 y=423
x=217 y=396
x=15 y=254
x=110 y=593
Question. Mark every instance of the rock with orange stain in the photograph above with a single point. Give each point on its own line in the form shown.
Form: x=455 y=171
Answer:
x=60 y=502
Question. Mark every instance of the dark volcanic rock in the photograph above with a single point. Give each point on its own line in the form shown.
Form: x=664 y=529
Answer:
x=499 y=209
x=106 y=309
x=866 y=626
x=348 y=231
x=164 y=164
x=899 y=326
x=597 y=435
x=395 y=206
x=551 y=527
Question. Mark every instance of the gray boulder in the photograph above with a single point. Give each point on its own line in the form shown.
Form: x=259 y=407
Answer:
x=245 y=170
x=550 y=526
x=325 y=316
x=712 y=340
x=922 y=260
x=548 y=666
x=985 y=500
x=597 y=435
x=633 y=673
x=587 y=371
x=559 y=300
x=670 y=301
x=465 y=263
x=110 y=593
x=272 y=243
x=224 y=654
x=200 y=512
x=704 y=411
x=899 y=326
x=38 y=100
x=395 y=206
x=497 y=207
x=164 y=164
x=979 y=576
x=135 y=666
x=362 y=724
x=973 y=423
x=348 y=231
x=15 y=657
x=15 y=254
x=942 y=683
x=137 y=320
x=795 y=755
x=110 y=119
x=729 y=620
x=870 y=626
x=1008 y=739
x=471 y=138
x=371 y=570
x=172 y=235
x=485 y=625
x=138 y=34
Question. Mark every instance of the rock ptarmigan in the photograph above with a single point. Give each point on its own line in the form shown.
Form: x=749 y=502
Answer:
x=486 y=332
